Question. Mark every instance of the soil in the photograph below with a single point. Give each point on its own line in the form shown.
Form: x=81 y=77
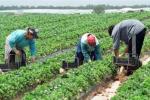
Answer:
x=111 y=88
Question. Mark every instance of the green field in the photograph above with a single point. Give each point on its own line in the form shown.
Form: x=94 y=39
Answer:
x=59 y=32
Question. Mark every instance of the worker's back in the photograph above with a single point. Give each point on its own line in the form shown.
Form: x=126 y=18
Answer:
x=18 y=38
x=125 y=30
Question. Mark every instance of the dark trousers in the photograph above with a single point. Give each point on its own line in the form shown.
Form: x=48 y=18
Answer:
x=23 y=58
x=79 y=58
x=139 y=43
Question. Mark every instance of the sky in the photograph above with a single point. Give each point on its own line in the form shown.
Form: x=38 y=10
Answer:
x=72 y=2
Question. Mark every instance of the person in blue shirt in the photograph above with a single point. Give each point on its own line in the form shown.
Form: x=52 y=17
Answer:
x=88 y=49
x=17 y=41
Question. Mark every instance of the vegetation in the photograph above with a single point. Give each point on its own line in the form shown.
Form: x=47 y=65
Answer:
x=55 y=30
x=74 y=82
x=15 y=82
x=136 y=87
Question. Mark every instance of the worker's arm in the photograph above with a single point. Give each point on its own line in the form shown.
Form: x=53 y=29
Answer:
x=98 y=52
x=116 y=44
x=84 y=50
x=32 y=50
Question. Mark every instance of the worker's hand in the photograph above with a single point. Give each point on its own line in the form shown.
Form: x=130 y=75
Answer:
x=89 y=60
x=18 y=53
x=121 y=55
x=33 y=59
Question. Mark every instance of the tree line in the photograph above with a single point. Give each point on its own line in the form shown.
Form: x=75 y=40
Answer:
x=69 y=7
x=96 y=8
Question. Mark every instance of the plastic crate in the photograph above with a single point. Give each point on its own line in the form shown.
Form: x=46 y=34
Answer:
x=120 y=61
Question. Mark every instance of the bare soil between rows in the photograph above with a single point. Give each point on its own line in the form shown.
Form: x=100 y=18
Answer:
x=108 y=88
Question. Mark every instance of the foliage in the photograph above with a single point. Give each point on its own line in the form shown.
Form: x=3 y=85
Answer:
x=136 y=87
x=74 y=82
x=55 y=31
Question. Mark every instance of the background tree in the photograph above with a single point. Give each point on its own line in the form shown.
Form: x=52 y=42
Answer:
x=98 y=9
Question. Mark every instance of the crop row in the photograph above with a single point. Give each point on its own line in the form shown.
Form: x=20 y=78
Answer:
x=15 y=82
x=137 y=87
x=70 y=88
x=74 y=82
x=23 y=78
x=55 y=30
x=12 y=83
x=57 y=91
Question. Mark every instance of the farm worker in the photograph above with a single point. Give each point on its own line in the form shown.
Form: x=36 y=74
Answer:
x=15 y=43
x=88 y=49
x=131 y=32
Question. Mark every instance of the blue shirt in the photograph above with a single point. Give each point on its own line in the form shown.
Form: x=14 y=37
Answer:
x=17 y=39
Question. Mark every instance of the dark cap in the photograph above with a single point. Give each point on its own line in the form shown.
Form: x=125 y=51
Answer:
x=33 y=31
